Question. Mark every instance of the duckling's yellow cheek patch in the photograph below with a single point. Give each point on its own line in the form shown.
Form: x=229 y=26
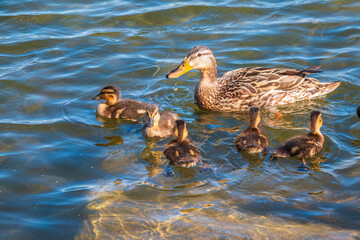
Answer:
x=177 y=153
x=192 y=152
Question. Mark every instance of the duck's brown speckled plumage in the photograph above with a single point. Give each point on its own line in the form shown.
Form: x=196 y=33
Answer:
x=240 y=89
x=115 y=107
x=304 y=146
x=159 y=124
x=180 y=151
x=252 y=140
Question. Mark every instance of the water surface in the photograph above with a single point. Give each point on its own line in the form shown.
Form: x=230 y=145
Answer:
x=67 y=175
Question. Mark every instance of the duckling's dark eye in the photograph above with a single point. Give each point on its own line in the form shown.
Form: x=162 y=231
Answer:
x=199 y=54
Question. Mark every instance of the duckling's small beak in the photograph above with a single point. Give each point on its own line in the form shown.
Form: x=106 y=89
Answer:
x=180 y=70
x=97 y=97
x=151 y=122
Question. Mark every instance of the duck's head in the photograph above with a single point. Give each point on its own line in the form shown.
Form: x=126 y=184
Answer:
x=110 y=93
x=199 y=57
x=152 y=111
x=254 y=117
x=180 y=130
x=315 y=122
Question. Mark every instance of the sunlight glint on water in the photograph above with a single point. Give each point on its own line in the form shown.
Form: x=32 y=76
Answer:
x=66 y=174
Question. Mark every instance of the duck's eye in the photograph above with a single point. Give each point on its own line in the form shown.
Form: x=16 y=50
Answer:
x=199 y=54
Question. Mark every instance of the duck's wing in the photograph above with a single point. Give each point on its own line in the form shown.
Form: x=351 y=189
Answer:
x=257 y=86
x=257 y=80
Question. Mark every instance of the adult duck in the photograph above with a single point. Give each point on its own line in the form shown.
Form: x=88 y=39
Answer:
x=240 y=89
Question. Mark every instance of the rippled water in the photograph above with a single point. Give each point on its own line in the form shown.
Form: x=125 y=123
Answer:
x=66 y=175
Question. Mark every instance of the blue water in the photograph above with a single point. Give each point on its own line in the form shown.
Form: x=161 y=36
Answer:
x=67 y=175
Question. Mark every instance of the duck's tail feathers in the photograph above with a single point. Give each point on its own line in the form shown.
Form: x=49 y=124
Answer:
x=329 y=87
x=309 y=70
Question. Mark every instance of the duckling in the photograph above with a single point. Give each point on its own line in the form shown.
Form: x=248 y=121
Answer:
x=358 y=111
x=159 y=124
x=252 y=140
x=304 y=146
x=115 y=107
x=180 y=151
x=240 y=89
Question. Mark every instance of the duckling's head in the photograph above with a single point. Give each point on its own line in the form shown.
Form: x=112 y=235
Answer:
x=110 y=93
x=180 y=130
x=254 y=117
x=152 y=111
x=199 y=57
x=315 y=122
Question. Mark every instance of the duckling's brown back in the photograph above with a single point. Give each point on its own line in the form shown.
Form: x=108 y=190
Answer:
x=300 y=146
x=251 y=140
x=182 y=154
x=128 y=109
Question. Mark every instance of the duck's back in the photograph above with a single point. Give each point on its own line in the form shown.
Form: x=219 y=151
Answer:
x=182 y=153
x=251 y=140
x=128 y=109
x=167 y=120
x=257 y=86
x=300 y=146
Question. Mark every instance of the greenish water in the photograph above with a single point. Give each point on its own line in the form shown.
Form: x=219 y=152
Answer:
x=66 y=175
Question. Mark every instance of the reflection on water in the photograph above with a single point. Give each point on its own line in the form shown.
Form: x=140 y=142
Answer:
x=64 y=168
x=112 y=141
x=117 y=211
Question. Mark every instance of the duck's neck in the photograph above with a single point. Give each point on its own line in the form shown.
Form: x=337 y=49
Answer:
x=208 y=76
x=318 y=134
x=253 y=125
x=205 y=90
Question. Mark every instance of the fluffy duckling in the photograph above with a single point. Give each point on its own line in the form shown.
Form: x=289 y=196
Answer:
x=240 y=89
x=115 y=107
x=180 y=151
x=252 y=140
x=159 y=124
x=304 y=146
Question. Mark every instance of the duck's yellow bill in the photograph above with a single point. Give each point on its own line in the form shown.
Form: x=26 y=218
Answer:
x=180 y=70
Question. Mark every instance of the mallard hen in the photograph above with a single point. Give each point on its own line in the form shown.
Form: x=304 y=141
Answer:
x=240 y=89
